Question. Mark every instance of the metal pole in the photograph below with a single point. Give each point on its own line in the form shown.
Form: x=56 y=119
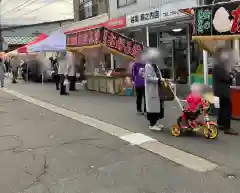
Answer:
x=27 y=74
x=189 y=55
x=205 y=66
x=42 y=77
x=236 y=48
x=112 y=62
x=147 y=36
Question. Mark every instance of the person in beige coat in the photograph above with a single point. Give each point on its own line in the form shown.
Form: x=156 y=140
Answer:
x=154 y=106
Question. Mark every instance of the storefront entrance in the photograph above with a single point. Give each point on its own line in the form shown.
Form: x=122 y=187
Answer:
x=175 y=45
x=177 y=49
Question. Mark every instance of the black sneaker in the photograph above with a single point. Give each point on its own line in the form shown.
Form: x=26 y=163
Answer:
x=64 y=93
x=231 y=132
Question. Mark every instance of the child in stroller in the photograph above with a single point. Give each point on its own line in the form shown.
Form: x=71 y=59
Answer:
x=193 y=113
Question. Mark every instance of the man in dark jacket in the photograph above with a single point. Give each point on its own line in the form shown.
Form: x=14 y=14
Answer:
x=222 y=81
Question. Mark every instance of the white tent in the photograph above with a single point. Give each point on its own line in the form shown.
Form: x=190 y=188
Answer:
x=54 y=43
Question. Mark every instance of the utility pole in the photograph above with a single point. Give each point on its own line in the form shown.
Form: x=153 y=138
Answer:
x=1 y=38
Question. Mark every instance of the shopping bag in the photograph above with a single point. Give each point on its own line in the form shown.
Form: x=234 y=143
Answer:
x=65 y=82
x=216 y=102
x=165 y=92
x=209 y=96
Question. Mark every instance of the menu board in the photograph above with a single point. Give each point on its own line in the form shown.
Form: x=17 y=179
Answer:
x=106 y=37
x=218 y=19
x=203 y=21
x=121 y=43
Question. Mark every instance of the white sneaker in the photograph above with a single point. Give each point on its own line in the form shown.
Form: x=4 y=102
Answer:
x=160 y=126
x=155 y=128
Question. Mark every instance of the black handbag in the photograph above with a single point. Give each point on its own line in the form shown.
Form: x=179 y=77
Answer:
x=164 y=91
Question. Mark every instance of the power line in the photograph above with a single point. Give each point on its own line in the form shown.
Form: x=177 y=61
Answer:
x=37 y=9
x=19 y=7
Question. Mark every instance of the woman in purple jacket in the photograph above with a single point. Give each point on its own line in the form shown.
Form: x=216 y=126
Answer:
x=138 y=78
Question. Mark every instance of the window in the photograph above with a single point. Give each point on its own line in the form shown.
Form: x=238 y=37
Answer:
x=87 y=9
x=123 y=3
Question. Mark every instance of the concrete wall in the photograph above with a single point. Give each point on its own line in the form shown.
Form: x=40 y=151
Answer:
x=25 y=31
x=141 y=5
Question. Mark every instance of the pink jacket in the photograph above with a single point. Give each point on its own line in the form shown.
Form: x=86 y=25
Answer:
x=193 y=102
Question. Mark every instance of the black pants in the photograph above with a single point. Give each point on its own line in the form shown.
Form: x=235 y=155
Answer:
x=24 y=75
x=57 y=81
x=140 y=92
x=154 y=117
x=225 y=112
x=72 y=80
x=14 y=76
x=62 y=86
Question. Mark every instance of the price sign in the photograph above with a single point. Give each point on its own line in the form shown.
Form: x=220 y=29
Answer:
x=203 y=21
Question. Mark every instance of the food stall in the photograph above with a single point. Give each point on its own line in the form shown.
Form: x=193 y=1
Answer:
x=218 y=25
x=96 y=45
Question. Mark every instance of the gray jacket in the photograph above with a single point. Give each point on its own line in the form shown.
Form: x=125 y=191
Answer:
x=2 y=71
x=151 y=90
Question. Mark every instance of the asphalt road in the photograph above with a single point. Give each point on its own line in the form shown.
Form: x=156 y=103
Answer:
x=44 y=152
x=120 y=111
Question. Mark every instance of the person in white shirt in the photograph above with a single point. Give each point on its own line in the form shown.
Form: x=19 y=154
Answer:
x=63 y=70
x=72 y=71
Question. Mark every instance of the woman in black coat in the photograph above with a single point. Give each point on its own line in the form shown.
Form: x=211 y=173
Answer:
x=222 y=80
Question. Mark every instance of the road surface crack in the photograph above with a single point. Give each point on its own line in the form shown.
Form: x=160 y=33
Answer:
x=38 y=177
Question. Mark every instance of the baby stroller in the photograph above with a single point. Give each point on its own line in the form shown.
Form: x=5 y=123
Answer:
x=187 y=121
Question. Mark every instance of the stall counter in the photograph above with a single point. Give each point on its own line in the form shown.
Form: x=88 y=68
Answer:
x=106 y=84
x=235 y=90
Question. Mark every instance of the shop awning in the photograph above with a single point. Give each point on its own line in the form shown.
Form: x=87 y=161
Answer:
x=214 y=24
x=105 y=39
x=54 y=43
x=115 y=23
x=39 y=38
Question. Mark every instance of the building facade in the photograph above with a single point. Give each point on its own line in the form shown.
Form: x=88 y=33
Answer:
x=161 y=23
x=84 y=9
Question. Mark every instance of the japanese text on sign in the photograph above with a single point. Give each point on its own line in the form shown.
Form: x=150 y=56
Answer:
x=90 y=37
x=121 y=43
x=203 y=20
x=144 y=17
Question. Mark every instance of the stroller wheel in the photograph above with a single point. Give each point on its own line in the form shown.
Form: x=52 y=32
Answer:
x=211 y=132
x=176 y=131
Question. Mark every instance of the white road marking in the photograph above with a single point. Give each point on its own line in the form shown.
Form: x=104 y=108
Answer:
x=137 y=138
x=176 y=155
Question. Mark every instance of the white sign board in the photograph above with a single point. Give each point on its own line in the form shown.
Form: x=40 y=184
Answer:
x=165 y=12
x=171 y=10
x=143 y=18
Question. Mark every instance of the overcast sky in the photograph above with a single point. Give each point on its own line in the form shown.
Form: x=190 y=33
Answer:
x=34 y=11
